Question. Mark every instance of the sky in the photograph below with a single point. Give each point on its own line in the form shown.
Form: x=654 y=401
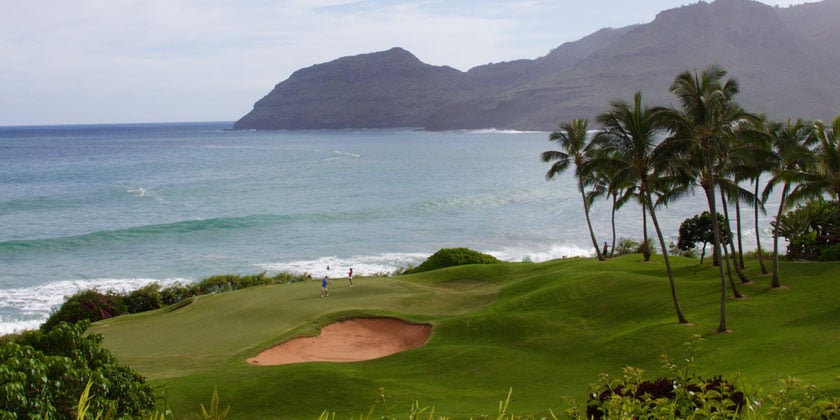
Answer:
x=129 y=61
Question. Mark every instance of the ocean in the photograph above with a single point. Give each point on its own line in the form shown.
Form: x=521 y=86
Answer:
x=116 y=207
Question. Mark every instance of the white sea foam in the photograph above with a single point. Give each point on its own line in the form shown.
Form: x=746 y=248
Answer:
x=551 y=252
x=141 y=192
x=362 y=265
x=346 y=154
x=499 y=131
x=33 y=305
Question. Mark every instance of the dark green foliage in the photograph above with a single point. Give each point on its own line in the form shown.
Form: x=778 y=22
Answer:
x=217 y=283
x=665 y=394
x=91 y=305
x=629 y=246
x=450 y=257
x=813 y=231
x=178 y=292
x=699 y=229
x=146 y=298
x=227 y=282
x=830 y=253
x=42 y=375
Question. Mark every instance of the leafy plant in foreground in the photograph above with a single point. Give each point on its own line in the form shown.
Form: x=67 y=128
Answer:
x=213 y=412
x=42 y=375
x=685 y=395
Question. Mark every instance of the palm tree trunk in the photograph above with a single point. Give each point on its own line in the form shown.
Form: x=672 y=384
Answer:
x=731 y=244
x=758 y=232
x=645 y=248
x=589 y=222
x=738 y=230
x=709 y=187
x=680 y=317
x=775 y=283
x=735 y=293
x=612 y=248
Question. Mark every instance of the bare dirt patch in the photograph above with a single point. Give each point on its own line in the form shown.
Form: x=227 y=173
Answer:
x=348 y=341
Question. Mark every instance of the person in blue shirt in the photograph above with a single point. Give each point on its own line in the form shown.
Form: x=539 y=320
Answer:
x=324 y=283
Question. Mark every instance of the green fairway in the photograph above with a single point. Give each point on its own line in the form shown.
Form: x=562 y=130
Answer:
x=546 y=330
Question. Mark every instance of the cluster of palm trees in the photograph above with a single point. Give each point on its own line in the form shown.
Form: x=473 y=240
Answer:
x=655 y=155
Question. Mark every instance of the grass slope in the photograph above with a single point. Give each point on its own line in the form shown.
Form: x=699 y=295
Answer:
x=546 y=330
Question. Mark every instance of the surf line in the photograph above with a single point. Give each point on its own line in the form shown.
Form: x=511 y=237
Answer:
x=346 y=154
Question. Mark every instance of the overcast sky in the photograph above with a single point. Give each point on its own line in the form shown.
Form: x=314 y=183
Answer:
x=114 y=61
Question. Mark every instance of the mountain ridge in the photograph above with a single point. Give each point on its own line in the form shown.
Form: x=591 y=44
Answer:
x=786 y=60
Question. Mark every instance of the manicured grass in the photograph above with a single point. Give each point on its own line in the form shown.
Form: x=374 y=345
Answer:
x=546 y=330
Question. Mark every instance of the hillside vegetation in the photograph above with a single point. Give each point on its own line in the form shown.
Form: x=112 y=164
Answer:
x=545 y=330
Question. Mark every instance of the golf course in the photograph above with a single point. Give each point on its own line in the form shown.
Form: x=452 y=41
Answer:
x=543 y=330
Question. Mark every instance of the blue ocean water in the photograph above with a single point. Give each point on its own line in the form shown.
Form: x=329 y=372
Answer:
x=118 y=206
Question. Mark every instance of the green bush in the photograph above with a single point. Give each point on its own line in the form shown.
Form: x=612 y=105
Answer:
x=178 y=292
x=42 y=375
x=699 y=228
x=830 y=253
x=146 y=298
x=629 y=246
x=450 y=257
x=813 y=230
x=683 y=394
x=91 y=305
x=218 y=283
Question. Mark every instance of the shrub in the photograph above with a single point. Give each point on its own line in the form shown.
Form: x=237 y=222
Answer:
x=450 y=257
x=664 y=397
x=178 y=292
x=830 y=253
x=629 y=246
x=90 y=305
x=42 y=375
x=217 y=283
x=699 y=228
x=673 y=249
x=812 y=230
x=284 y=277
x=683 y=394
x=625 y=246
x=146 y=298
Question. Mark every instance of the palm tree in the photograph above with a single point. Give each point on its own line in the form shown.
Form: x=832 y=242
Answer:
x=824 y=176
x=757 y=161
x=728 y=243
x=730 y=158
x=605 y=184
x=791 y=146
x=574 y=149
x=630 y=135
x=707 y=116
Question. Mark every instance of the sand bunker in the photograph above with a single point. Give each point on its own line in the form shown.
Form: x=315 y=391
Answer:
x=348 y=341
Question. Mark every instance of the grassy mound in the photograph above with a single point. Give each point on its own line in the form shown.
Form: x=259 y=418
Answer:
x=545 y=330
x=451 y=257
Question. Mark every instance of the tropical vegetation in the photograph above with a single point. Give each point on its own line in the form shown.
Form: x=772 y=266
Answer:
x=541 y=329
x=43 y=374
x=660 y=154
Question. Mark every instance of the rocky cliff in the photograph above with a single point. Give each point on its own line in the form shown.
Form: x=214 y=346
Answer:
x=787 y=61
